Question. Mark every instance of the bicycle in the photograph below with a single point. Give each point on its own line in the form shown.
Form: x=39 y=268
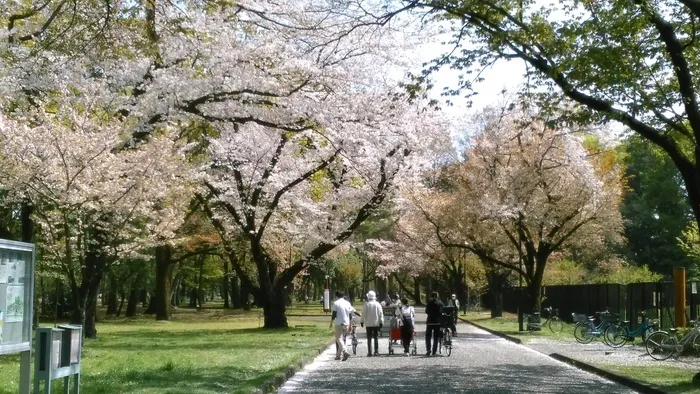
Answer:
x=617 y=335
x=584 y=332
x=661 y=345
x=553 y=321
x=353 y=335
x=446 y=324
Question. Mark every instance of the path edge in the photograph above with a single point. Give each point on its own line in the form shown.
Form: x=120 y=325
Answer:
x=274 y=383
x=623 y=380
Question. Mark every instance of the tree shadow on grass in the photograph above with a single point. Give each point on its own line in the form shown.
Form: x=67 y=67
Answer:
x=173 y=381
x=202 y=339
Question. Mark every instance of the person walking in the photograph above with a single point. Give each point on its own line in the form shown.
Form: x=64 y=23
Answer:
x=373 y=316
x=407 y=316
x=454 y=302
x=342 y=311
x=432 y=324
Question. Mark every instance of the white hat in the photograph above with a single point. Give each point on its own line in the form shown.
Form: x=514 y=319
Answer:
x=371 y=294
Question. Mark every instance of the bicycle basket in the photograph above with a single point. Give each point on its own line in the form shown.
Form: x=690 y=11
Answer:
x=579 y=317
x=610 y=317
x=446 y=321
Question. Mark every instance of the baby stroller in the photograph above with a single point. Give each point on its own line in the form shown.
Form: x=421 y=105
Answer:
x=395 y=341
x=389 y=314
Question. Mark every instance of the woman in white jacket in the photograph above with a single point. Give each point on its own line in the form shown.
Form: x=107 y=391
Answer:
x=373 y=316
x=407 y=317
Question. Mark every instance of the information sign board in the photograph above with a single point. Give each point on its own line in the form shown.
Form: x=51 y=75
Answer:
x=16 y=295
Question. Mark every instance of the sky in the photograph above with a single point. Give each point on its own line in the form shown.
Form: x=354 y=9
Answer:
x=504 y=74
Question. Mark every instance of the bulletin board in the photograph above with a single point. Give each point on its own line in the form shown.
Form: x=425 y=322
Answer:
x=16 y=296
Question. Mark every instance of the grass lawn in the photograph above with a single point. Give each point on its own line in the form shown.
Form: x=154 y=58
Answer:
x=207 y=351
x=508 y=324
x=313 y=308
x=665 y=378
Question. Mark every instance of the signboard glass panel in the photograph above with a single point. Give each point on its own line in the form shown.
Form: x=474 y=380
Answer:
x=16 y=294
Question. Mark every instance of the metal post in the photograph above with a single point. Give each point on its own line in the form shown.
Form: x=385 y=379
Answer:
x=679 y=295
x=25 y=372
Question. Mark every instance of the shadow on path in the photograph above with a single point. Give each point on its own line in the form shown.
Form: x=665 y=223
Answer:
x=505 y=378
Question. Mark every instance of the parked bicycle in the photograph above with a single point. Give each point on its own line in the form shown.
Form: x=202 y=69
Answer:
x=662 y=345
x=553 y=321
x=617 y=335
x=586 y=331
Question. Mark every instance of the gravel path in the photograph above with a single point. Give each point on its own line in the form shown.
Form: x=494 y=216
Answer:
x=480 y=363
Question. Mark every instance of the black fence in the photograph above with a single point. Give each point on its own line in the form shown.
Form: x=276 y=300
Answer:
x=656 y=299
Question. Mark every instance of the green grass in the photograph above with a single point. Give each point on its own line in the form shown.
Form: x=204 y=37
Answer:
x=206 y=351
x=508 y=324
x=665 y=378
x=313 y=308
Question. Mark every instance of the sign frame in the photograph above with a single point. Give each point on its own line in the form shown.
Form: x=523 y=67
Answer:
x=25 y=345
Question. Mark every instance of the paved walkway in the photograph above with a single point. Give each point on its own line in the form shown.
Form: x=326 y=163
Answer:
x=480 y=363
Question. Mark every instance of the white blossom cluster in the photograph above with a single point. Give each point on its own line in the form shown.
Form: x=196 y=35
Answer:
x=300 y=109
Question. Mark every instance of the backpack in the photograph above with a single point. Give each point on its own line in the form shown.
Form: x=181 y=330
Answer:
x=406 y=320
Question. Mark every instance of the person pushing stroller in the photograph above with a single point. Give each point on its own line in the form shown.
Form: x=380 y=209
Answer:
x=407 y=315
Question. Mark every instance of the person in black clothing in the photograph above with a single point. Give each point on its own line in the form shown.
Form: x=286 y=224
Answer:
x=433 y=310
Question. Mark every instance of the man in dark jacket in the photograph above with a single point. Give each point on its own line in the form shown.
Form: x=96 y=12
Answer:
x=432 y=328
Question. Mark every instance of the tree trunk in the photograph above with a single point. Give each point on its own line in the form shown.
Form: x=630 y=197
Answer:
x=112 y=295
x=225 y=285
x=122 y=296
x=133 y=302
x=92 y=271
x=416 y=291
x=235 y=290
x=200 y=290
x=193 y=297
x=289 y=293
x=245 y=294
x=78 y=305
x=151 y=310
x=274 y=309
x=27 y=224
x=164 y=277
x=90 y=326
x=459 y=286
x=534 y=289
x=496 y=281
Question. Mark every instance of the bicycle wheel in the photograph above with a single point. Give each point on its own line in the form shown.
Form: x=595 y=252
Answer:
x=582 y=333
x=448 y=343
x=696 y=345
x=660 y=345
x=615 y=335
x=556 y=325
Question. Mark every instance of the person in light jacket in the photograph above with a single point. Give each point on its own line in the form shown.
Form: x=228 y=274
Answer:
x=408 y=321
x=373 y=316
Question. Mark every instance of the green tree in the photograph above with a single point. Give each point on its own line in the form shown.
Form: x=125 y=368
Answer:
x=655 y=207
x=633 y=62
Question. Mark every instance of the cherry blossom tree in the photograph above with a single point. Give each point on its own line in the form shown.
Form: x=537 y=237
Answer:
x=94 y=199
x=526 y=188
x=300 y=115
